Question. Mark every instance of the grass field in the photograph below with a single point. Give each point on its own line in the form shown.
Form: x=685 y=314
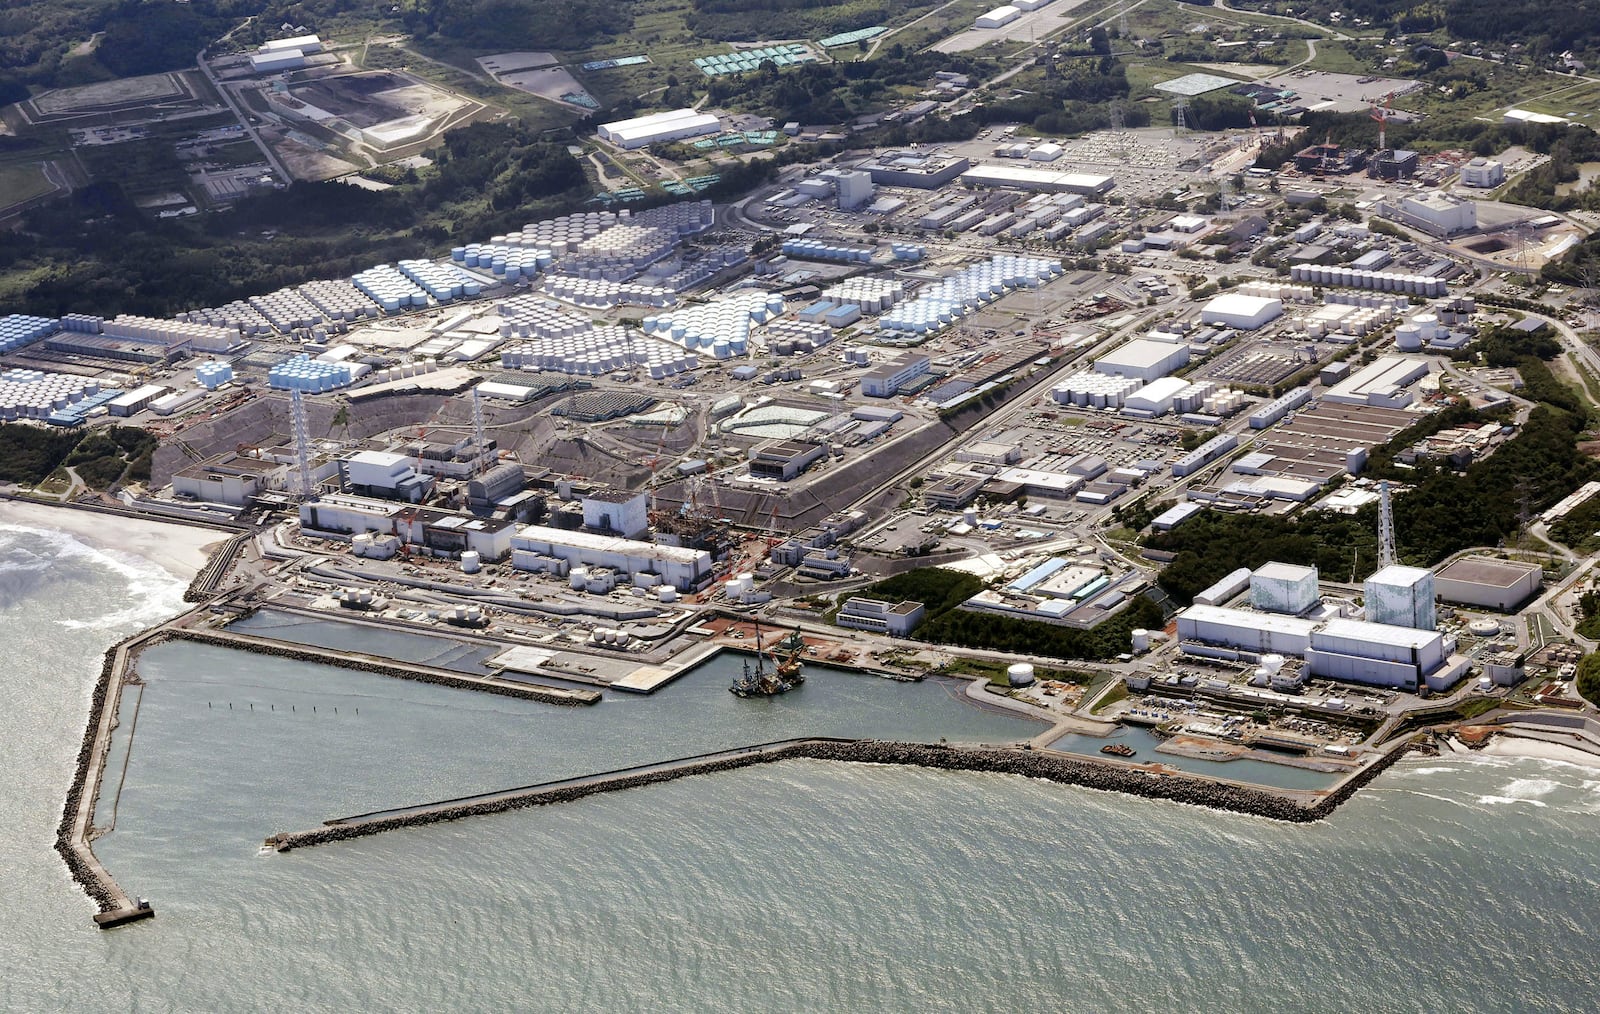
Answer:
x=20 y=183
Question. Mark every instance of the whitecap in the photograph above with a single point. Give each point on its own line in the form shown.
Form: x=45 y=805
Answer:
x=1507 y=800
x=1530 y=788
x=154 y=593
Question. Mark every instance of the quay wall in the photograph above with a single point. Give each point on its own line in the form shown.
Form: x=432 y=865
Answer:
x=531 y=692
x=1027 y=763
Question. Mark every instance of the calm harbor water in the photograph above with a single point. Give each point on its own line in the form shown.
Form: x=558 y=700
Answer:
x=1451 y=884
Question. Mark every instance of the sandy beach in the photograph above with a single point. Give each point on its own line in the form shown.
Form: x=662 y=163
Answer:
x=1516 y=746
x=176 y=548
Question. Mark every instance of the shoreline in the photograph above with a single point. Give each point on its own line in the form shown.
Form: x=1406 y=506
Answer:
x=1510 y=745
x=182 y=550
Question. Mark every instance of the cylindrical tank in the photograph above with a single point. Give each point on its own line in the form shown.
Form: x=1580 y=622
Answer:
x=1141 y=639
x=1020 y=675
x=470 y=562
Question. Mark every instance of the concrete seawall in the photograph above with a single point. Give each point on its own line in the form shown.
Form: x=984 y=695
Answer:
x=1027 y=763
x=365 y=663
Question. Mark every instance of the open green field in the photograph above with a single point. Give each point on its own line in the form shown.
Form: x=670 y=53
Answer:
x=20 y=183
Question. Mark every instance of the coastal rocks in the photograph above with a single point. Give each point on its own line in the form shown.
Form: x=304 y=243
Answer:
x=1027 y=763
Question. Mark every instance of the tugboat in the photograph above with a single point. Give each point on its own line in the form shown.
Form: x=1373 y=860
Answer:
x=761 y=682
x=1118 y=750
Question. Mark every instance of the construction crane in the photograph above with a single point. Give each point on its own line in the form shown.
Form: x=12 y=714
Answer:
x=1381 y=114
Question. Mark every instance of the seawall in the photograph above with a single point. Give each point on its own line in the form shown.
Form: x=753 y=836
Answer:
x=415 y=673
x=1004 y=760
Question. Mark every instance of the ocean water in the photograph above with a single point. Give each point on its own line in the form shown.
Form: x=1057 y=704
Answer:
x=1458 y=883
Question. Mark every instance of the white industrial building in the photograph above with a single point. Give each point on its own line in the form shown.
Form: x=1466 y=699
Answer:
x=1283 y=588
x=998 y=18
x=1492 y=584
x=1435 y=213
x=533 y=546
x=1262 y=633
x=1483 y=172
x=1378 y=654
x=674 y=125
x=1024 y=177
x=1157 y=397
x=1236 y=310
x=897 y=619
x=1401 y=597
x=1382 y=383
x=382 y=474
x=855 y=190
x=1351 y=651
x=135 y=401
x=618 y=512
x=442 y=532
x=886 y=380
x=1144 y=359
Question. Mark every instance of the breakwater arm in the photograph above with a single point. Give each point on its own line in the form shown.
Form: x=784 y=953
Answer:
x=1028 y=763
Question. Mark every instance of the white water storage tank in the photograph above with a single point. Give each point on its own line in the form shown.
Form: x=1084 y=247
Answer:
x=1020 y=675
x=1141 y=639
x=470 y=562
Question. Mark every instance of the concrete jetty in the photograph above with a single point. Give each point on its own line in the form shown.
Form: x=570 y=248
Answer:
x=75 y=833
x=415 y=672
x=1230 y=796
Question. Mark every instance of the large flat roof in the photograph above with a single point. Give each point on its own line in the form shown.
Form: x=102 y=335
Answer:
x=1493 y=573
x=610 y=544
x=1256 y=621
x=1021 y=175
x=1141 y=352
x=1379 y=633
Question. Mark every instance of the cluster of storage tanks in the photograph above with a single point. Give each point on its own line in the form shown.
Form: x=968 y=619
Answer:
x=1282 y=293
x=390 y=289
x=339 y=299
x=82 y=323
x=817 y=250
x=512 y=263
x=1383 y=281
x=212 y=375
x=952 y=298
x=444 y=282
x=620 y=252
x=1090 y=389
x=872 y=295
x=603 y=294
x=171 y=332
x=559 y=235
x=597 y=351
x=721 y=327
x=35 y=394
x=405 y=371
x=796 y=338
x=908 y=251
x=1419 y=330
x=606 y=637
x=1359 y=322
x=302 y=373
x=532 y=317
x=17 y=330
